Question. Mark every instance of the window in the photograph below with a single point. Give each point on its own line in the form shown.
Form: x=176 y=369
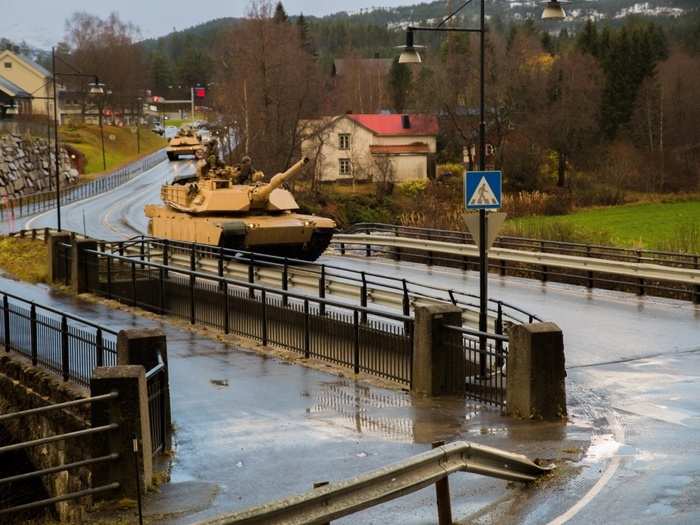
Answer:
x=8 y=65
x=344 y=140
x=345 y=166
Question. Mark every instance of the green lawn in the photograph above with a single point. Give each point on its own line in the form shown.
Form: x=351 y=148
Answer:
x=120 y=145
x=674 y=226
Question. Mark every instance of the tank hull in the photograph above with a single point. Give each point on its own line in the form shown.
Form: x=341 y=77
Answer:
x=292 y=235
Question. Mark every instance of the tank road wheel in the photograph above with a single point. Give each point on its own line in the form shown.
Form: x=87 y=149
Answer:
x=320 y=240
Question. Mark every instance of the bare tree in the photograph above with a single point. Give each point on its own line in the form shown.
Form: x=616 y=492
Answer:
x=267 y=84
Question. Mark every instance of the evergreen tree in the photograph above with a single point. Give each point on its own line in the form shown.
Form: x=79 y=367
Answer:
x=280 y=15
x=305 y=35
x=587 y=41
x=399 y=86
x=161 y=73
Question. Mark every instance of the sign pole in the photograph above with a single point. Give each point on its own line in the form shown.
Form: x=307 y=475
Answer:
x=483 y=291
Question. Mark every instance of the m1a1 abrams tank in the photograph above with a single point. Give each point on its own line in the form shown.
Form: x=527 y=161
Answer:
x=214 y=207
x=185 y=143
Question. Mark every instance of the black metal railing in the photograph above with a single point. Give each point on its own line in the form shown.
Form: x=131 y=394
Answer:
x=365 y=339
x=64 y=344
x=543 y=272
x=156 y=384
x=14 y=208
x=484 y=359
x=328 y=276
x=664 y=258
x=19 y=501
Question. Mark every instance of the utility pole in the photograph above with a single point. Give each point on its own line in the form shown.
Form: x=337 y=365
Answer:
x=55 y=130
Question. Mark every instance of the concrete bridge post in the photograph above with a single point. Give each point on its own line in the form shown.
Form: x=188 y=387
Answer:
x=57 y=263
x=437 y=370
x=83 y=266
x=535 y=381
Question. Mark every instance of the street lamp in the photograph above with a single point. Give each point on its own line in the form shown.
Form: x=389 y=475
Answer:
x=139 y=101
x=97 y=89
x=410 y=55
x=553 y=10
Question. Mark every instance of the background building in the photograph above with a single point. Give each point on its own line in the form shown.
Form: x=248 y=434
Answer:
x=372 y=147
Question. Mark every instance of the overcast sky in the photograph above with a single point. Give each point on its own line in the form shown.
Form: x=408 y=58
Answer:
x=41 y=22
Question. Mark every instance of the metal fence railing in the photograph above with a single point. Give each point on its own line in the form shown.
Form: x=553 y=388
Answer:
x=442 y=247
x=484 y=359
x=64 y=344
x=14 y=208
x=597 y=251
x=13 y=500
x=156 y=384
x=364 y=339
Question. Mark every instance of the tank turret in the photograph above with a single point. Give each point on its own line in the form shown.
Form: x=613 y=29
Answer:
x=261 y=194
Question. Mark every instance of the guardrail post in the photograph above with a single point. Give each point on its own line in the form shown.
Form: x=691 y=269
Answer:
x=65 y=354
x=6 y=321
x=363 y=297
x=500 y=360
x=32 y=335
x=535 y=384
x=99 y=348
x=318 y=485
x=439 y=366
x=696 y=295
x=503 y=268
x=166 y=250
x=307 y=339
x=589 y=283
x=57 y=264
x=129 y=410
x=285 y=281
x=83 y=266
x=322 y=290
x=368 y=247
x=442 y=495
x=406 y=302
x=109 y=276
x=251 y=274
x=263 y=299
x=221 y=261
x=356 y=341
x=227 y=306
x=642 y=287
x=133 y=283
x=342 y=248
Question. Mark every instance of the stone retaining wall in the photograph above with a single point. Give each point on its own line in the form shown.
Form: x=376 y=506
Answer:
x=23 y=387
x=24 y=166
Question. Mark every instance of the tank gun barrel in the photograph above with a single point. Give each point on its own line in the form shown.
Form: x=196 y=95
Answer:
x=260 y=194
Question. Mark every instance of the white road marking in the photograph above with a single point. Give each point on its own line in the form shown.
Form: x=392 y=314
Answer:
x=614 y=464
x=29 y=224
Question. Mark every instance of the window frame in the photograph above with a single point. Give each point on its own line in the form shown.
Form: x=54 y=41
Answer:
x=344 y=141
x=344 y=162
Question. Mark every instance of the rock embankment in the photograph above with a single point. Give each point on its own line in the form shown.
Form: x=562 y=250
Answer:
x=24 y=167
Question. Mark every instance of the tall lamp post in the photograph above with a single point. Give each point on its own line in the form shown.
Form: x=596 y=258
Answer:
x=409 y=55
x=95 y=88
x=139 y=101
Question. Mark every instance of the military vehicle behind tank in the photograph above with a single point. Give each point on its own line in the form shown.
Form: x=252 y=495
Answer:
x=217 y=207
x=185 y=142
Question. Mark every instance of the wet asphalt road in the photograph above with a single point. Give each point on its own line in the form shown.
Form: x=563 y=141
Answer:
x=633 y=366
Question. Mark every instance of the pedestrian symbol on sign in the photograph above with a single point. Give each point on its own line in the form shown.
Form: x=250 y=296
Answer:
x=482 y=190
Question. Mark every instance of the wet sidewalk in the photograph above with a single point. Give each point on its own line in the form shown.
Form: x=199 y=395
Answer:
x=251 y=428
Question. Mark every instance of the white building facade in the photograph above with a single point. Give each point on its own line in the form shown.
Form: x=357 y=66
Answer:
x=372 y=147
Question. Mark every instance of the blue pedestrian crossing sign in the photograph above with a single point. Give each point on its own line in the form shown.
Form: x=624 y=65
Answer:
x=482 y=190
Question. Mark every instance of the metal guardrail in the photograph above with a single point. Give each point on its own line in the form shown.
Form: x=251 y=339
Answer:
x=643 y=276
x=29 y=205
x=597 y=251
x=64 y=344
x=367 y=287
x=366 y=339
x=336 y=500
x=78 y=434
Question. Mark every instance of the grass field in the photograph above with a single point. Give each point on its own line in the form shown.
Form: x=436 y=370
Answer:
x=673 y=226
x=24 y=259
x=120 y=145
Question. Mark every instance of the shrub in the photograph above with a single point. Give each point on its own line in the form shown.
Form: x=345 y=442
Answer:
x=413 y=188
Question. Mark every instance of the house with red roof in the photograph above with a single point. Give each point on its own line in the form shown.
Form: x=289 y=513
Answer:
x=371 y=147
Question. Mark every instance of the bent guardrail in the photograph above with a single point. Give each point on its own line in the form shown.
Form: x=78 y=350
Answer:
x=336 y=500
